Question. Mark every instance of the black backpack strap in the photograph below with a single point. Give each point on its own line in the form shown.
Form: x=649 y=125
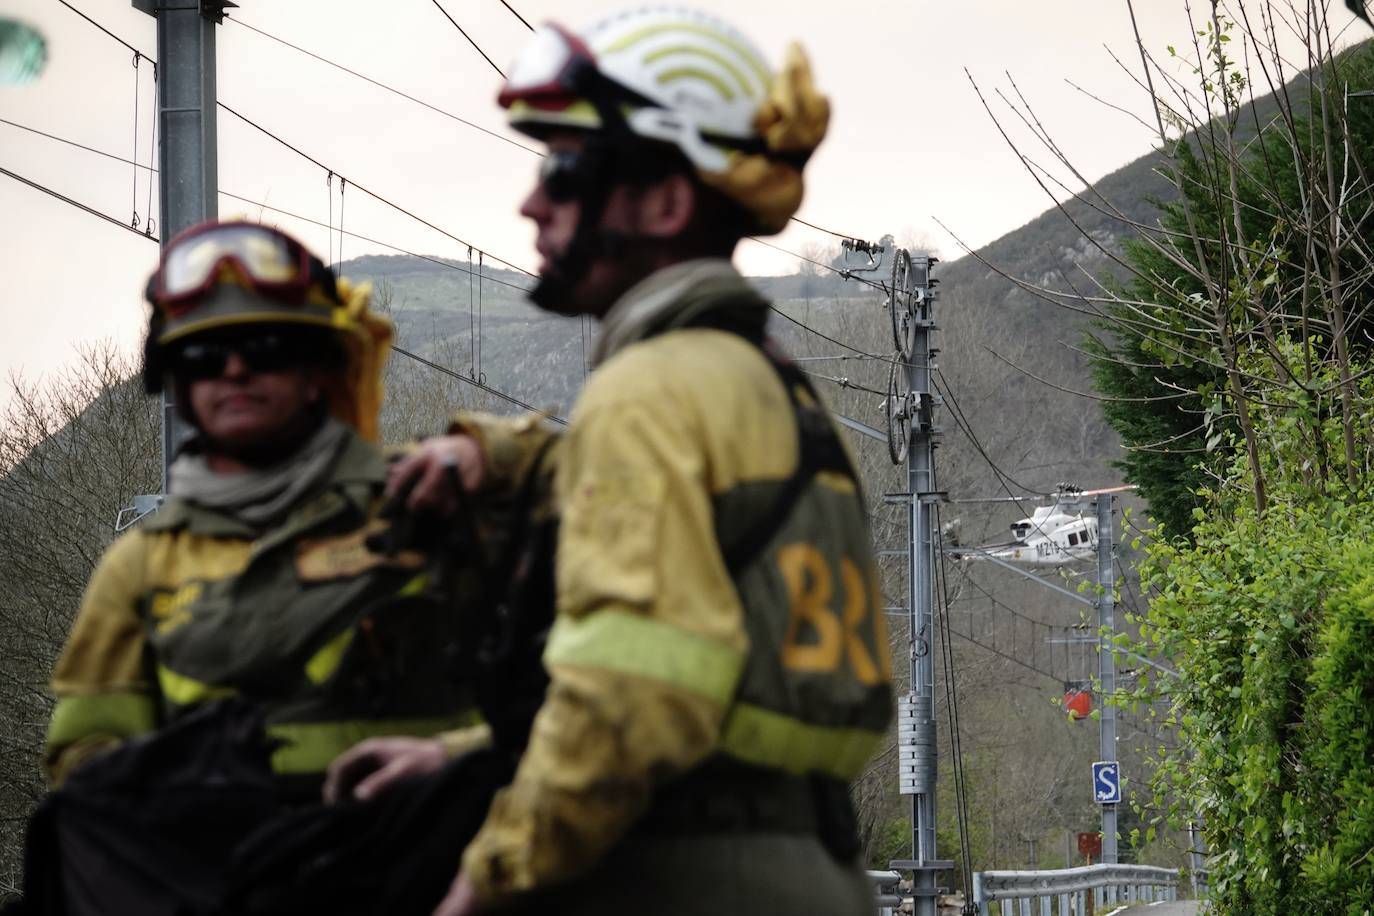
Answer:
x=818 y=447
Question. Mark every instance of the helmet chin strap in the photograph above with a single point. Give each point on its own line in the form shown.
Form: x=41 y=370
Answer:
x=590 y=241
x=557 y=286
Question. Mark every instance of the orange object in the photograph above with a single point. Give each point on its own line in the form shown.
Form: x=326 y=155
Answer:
x=1078 y=703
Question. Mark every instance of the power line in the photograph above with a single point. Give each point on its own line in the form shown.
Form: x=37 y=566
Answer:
x=838 y=235
x=526 y=24
x=321 y=165
x=1003 y=605
x=89 y=149
x=848 y=275
x=448 y=114
x=482 y=385
x=76 y=203
x=961 y=421
x=491 y=133
x=370 y=193
x=952 y=710
x=257 y=203
x=823 y=336
x=392 y=89
x=843 y=382
x=963 y=424
x=363 y=238
x=496 y=392
x=469 y=38
x=517 y=15
x=821 y=359
x=860 y=354
x=103 y=29
x=392 y=204
x=312 y=159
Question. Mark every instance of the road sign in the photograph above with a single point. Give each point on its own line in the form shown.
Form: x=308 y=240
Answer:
x=1107 y=782
x=1090 y=846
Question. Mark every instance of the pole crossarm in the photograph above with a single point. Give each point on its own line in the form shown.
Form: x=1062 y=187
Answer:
x=860 y=428
x=986 y=555
x=1163 y=669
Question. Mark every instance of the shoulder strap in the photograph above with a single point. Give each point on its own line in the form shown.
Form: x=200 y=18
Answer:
x=818 y=447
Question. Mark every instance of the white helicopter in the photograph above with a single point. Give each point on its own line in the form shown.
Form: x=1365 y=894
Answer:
x=1053 y=535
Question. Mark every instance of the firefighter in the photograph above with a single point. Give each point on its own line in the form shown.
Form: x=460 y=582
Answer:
x=719 y=664
x=255 y=577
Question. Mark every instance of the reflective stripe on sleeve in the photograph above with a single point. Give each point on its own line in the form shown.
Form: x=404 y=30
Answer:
x=123 y=715
x=630 y=644
x=765 y=738
x=311 y=746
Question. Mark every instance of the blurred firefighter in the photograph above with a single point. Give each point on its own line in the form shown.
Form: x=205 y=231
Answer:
x=255 y=578
x=719 y=664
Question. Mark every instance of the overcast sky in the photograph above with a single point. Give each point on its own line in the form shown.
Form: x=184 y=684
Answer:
x=909 y=141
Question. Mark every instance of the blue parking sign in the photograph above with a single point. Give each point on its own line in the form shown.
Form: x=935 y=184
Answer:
x=1107 y=782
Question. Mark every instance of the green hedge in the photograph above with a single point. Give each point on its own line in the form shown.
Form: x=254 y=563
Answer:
x=1270 y=623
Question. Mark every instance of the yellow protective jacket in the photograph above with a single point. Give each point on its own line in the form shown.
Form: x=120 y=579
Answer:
x=335 y=642
x=665 y=660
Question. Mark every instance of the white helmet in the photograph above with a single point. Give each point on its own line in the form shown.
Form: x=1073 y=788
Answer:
x=683 y=78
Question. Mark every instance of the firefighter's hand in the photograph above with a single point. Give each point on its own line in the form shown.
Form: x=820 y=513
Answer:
x=427 y=471
x=461 y=899
x=370 y=768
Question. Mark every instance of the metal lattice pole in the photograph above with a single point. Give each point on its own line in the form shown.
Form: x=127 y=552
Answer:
x=1106 y=661
x=188 y=181
x=917 y=729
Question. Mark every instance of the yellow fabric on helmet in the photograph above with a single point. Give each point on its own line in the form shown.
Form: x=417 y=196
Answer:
x=366 y=337
x=793 y=119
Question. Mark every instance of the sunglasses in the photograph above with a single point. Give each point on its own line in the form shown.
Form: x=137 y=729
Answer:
x=567 y=175
x=199 y=360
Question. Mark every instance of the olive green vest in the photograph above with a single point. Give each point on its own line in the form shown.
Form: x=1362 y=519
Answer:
x=336 y=642
x=815 y=696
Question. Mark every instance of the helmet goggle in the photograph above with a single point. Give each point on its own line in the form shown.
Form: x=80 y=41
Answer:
x=552 y=71
x=269 y=262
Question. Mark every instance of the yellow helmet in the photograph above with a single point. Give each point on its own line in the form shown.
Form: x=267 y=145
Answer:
x=221 y=275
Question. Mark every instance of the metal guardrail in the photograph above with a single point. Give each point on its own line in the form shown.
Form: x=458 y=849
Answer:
x=885 y=894
x=1065 y=891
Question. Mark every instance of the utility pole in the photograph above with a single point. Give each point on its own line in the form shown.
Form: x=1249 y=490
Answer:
x=911 y=404
x=188 y=179
x=1197 y=859
x=1106 y=661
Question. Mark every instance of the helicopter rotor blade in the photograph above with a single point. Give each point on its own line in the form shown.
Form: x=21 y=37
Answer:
x=1102 y=491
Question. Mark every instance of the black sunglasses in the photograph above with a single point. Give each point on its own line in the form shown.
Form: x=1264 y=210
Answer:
x=269 y=351
x=567 y=175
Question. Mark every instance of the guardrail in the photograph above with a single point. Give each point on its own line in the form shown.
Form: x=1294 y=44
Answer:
x=1065 y=891
x=885 y=893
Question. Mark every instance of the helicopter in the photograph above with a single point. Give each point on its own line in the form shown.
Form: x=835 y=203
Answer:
x=1059 y=534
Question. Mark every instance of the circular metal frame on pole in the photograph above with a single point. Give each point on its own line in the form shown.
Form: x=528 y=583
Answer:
x=901 y=304
x=897 y=408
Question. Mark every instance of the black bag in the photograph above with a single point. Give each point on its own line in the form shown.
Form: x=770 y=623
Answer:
x=187 y=821
x=147 y=828
x=395 y=854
